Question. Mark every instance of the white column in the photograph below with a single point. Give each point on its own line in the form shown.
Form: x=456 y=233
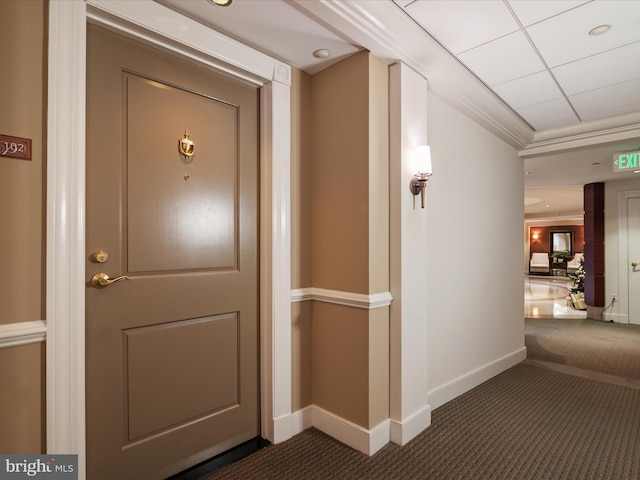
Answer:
x=65 y=230
x=409 y=410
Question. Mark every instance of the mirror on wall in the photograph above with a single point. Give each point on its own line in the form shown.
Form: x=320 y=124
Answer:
x=561 y=242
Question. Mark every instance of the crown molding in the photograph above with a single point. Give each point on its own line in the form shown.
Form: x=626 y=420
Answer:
x=585 y=134
x=400 y=39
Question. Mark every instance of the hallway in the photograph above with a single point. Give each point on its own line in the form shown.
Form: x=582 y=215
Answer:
x=563 y=339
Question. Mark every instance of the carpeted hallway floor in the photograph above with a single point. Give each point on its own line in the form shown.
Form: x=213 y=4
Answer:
x=530 y=422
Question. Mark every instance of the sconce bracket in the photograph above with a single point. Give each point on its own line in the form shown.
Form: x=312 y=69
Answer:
x=417 y=186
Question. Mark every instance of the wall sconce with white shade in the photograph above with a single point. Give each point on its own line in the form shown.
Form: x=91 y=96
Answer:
x=420 y=161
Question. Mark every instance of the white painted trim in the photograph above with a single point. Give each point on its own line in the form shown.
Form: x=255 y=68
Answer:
x=403 y=432
x=302 y=419
x=584 y=134
x=444 y=393
x=152 y=23
x=65 y=354
x=348 y=299
x=623 y=255
x=22 y=333
x=355 y=436
x=187 y=38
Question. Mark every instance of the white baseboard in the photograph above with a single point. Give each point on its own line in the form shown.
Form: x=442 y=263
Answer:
x=616 y=317
x=444 y=393
x=283 y=428
x=22 y=333
x=352 y=435
x=405 y=431
x=370 y=441
x=302 y=419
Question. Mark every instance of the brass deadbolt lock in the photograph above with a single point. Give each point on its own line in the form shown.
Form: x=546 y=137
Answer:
x=99 y=257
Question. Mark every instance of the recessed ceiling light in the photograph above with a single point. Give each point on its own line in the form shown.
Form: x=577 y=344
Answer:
x=222 y=3
x=322 y=53
x=599 y=30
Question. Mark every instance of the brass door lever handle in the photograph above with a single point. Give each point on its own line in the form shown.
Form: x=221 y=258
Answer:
x=634 y=264
x=101 y=280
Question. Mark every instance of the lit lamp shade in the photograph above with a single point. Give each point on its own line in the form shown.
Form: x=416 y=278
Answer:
x=421 y=160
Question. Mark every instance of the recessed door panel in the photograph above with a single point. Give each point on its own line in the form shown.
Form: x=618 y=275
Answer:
x=179 y=372
x=181 y=210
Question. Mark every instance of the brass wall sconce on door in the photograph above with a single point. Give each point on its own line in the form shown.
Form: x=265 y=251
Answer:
x=421 y=163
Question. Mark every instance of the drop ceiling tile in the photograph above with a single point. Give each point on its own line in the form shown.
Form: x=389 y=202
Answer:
x=605 y=102
x=463 y=24
x=609 y=68
x=565 y=38
x=502 y=60
x=533 y=11
x=522 y=92
x=549 y=114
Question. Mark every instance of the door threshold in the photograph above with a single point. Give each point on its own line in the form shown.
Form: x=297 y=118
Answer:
x=214 y=464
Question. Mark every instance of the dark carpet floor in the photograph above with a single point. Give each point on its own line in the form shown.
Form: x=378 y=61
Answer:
x=527 y=423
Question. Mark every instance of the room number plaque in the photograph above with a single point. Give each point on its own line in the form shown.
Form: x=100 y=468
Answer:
x=15 y=147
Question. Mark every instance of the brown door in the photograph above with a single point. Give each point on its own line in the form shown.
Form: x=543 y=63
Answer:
x=172 y=350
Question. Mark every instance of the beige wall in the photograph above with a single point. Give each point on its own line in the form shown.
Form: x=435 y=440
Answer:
x=350 y=237
x=21 y=181
x=22 y=88
x=21 y=400
x=340 y=171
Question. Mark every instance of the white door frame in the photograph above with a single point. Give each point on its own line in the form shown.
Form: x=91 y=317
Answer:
x=153 y=23
x=623 y=254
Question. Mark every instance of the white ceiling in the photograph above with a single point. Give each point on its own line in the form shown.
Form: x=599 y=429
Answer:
x=536 y=56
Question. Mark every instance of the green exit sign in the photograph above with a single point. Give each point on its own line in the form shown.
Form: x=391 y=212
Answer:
x=625 y=161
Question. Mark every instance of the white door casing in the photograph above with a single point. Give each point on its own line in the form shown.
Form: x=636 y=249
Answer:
x=152 y=23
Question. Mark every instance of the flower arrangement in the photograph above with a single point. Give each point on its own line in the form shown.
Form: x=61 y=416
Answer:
x=577 y=279
x=561 y=256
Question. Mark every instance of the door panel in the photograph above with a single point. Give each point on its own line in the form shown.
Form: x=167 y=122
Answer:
x=207 y=348
x=195 y=196
x=172 y=364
